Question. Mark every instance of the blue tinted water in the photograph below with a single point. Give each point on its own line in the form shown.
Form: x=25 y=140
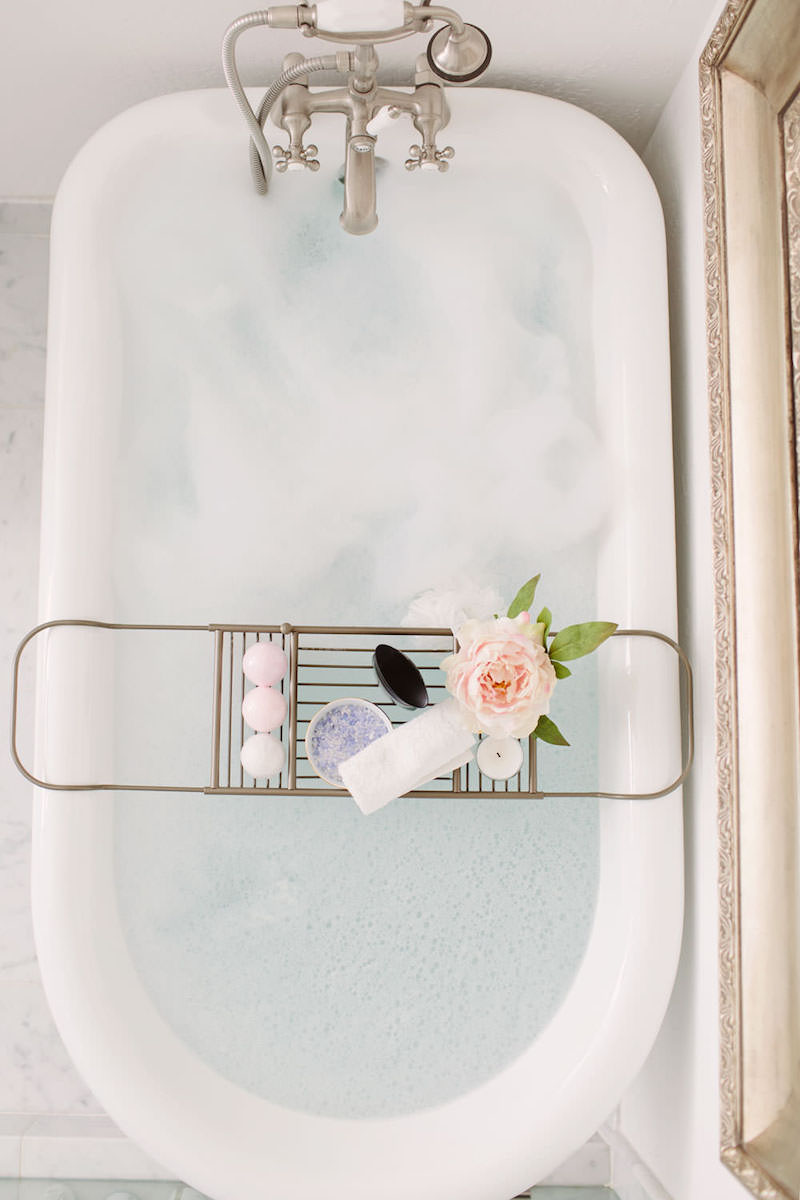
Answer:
x=409 y=431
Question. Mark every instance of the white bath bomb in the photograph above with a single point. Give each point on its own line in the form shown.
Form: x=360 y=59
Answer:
x=265 y=663
x=263 y=756
x=263 y=709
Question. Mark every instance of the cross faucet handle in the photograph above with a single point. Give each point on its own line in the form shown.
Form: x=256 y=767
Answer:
x=295 y=158
x=428 y=158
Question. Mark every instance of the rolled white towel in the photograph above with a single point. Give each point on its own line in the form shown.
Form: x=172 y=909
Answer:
x=434 y=743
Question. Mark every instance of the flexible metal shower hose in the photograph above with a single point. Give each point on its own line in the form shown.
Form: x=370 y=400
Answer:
x=260 y=156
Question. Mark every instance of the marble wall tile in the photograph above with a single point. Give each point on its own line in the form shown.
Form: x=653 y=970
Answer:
x=12 y=1128
x=84 y=1148
x=107 y=1189
x=573 y=1193
x=20 y=482
x=60 y=1125
x=36 y=1075
x=23 y=314
x=632 y=1179
x=26 y=217
x=590 y=1166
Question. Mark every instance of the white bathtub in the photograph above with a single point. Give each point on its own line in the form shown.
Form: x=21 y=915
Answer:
x=514 y=309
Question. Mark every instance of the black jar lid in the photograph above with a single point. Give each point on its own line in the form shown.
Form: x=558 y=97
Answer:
x=399 y=677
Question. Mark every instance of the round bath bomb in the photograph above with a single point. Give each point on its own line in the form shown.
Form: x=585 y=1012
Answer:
x=264 y=664
x=263 y=756
x=264 y=709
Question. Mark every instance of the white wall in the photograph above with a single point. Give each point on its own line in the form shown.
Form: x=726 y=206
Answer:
x=67 y=67
x=671 y=1114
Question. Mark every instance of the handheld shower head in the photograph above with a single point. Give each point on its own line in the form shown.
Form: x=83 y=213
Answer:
x=459 y=57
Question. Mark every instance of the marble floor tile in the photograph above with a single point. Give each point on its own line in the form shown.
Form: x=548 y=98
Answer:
x=84 y=1148
x=36 y=1074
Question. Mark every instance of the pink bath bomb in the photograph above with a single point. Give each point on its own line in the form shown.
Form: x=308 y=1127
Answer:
x=265 y=663
x=263 y=709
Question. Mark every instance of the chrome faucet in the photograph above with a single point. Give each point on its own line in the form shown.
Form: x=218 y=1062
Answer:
x=457 y=53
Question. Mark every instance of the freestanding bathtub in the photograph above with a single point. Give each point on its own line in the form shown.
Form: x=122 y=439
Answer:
x=252 y=417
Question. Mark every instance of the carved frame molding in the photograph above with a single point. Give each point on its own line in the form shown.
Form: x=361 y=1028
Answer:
x=759 y=1171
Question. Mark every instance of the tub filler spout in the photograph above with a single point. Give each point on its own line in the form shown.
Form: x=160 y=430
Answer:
x=359 y=214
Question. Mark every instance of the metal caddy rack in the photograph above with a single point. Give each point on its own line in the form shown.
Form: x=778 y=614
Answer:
x=325 y=663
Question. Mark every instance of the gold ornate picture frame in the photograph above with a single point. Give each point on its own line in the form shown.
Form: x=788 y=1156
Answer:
x=750 y=84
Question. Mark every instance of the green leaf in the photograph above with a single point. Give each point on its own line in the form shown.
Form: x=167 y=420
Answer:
x=577 y=640
x=545 y=617
x=548 y=731
x=524 y=598
x=561 y=671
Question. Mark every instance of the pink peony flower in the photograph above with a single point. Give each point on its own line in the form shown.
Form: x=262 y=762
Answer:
x=501 y=676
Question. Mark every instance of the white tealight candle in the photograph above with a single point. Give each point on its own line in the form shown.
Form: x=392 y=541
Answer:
x=499 y=758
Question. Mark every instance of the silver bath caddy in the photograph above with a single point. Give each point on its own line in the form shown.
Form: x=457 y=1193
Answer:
x=327 y=662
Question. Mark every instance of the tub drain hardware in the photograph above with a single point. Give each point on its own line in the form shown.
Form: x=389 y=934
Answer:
x=325 y=663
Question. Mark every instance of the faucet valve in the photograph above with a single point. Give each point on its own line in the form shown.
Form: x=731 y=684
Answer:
x=295 y=158
x=428 y=158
